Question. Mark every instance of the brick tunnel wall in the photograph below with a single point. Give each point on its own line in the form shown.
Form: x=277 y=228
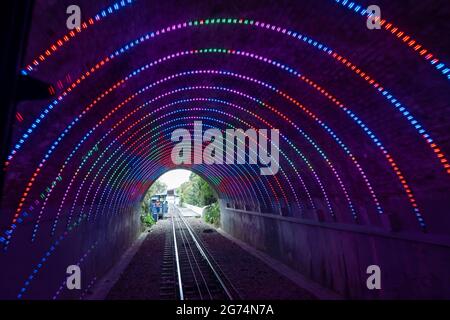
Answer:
x=363 y=118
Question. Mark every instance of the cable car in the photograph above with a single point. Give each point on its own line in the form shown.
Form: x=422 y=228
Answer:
x=158 y=206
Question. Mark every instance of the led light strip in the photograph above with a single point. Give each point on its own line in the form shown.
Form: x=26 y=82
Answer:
x=165 y=155
x=401 y=35
x=89 y=286
x=393 y=165
x=212 y=110
x=141 y=146
x=386 y=94
x=215 y=120
x=237 y=185
x=46 y=256
x=80 y=261
x=138 y=148
x=223 y=102
x=131 y=154
x=71 y=34
x=104 y=119
x=154 y=169
x=320 y=89
x=291 y=70
x=104 y=136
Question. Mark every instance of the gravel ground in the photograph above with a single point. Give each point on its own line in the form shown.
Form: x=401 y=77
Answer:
x=252 y=278
x=141 y=279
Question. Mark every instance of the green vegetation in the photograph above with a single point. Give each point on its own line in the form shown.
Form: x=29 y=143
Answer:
x=199 y=193
x=196 y=192
x=212 y=214
x=146 y=216
x=147 y=220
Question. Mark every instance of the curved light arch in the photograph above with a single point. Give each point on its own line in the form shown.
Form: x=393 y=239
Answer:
x=349 y=113
x=157 y=82
x=181 y=110
x=79 y=262
x=353 y=6
x=144 y=169
x=70 y=183
x=139 y=147
x=406 y=39
x=372 y=82
x=237 y=194
x=104 y=136
x=113 y=110
x=174 y=103
x=45 y=54
x=108 y=194
x=55 y=245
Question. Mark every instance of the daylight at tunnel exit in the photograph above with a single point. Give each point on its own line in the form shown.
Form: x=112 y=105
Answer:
x=225 y=158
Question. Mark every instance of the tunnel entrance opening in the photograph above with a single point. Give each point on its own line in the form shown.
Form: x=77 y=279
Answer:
x=182 y=189
x=185 y=256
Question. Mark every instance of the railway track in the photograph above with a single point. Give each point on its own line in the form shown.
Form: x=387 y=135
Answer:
x=189 y=271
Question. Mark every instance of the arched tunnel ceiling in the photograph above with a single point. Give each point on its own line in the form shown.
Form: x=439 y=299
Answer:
x=362 y=114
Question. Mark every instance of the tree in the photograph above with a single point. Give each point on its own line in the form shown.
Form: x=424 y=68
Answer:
x=196 y=192
x=157 y=187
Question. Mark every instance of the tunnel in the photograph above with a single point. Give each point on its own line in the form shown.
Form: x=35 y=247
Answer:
x=362 y=173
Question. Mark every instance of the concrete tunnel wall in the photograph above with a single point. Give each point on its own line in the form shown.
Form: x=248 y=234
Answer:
x=363 y=117
x=337 y=256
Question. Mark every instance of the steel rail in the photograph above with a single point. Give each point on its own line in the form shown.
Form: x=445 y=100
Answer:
x=192 y=260
x=180 y=282
x=205 y=256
